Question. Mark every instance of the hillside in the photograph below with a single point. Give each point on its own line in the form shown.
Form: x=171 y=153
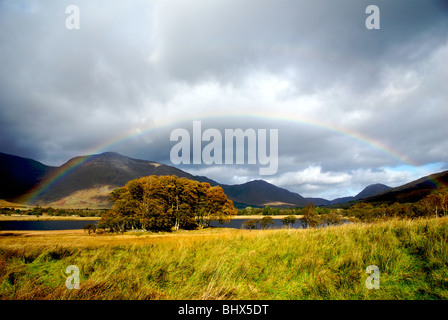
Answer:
x=88 y=180
x=261 y=193
x=412 y=191
x=372 y=190
x=18 y=175
x=369 y=191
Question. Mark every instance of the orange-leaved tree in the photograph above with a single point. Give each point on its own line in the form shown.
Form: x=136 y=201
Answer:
x=160 y=203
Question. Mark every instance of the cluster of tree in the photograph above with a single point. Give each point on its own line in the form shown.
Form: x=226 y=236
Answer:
x=9 y=211
x=433 y=205
x=255 y=223
x=268 y=211
x=161 y=203
x=311 y=217
x=39 y=211
x=89 y=228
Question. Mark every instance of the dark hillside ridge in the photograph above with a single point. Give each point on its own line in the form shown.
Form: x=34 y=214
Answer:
x=85 y=175
x=114 y=170
x=262 y=193
x=371 y=190
x=412 y=191
x=108 y=168
x=18 y=175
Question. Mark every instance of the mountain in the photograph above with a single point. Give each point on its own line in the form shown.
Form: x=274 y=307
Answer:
x=258 y=193
x=318 y=201
x=372 y=190
x=412 y=191
x=261 y=193
x=86 y=182
x=369 y=191
x=18 y=175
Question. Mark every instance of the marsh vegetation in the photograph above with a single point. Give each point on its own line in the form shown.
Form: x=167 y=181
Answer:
x=322 y=263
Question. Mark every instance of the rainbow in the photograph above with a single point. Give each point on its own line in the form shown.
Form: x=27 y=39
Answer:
x=126 y=136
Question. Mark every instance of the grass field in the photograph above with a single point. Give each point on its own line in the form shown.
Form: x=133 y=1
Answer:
x=327 y=263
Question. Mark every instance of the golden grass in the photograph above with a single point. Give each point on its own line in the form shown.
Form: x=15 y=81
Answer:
x=325 y=263
x=81 y=239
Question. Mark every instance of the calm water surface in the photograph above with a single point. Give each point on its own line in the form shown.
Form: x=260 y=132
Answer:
x=238 y=224
x=45 y=225
x=79 y=224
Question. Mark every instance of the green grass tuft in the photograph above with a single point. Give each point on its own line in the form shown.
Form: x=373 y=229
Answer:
x=324 y=263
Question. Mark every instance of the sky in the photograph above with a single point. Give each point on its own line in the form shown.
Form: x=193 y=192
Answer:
x=353 y=106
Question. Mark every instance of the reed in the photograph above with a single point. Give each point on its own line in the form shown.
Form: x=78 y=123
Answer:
x=324 y=263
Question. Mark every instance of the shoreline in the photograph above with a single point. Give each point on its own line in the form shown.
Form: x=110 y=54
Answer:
x=44 y=218
x=17 y=217
x=259 y=216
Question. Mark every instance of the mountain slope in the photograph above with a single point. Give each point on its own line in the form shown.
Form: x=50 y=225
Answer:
x=412 y=191
x=87 y=181
x=18 y=175
x=258 y=193
x=369 y=191
x=372 y=190
x=261 y=193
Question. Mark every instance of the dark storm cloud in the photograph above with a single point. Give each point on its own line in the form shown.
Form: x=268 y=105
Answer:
x=324 y=40
x=136 y=65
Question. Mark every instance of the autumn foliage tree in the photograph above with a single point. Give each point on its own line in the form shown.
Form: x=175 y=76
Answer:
x=433 y=205
x=310 y=216
x=161 y=203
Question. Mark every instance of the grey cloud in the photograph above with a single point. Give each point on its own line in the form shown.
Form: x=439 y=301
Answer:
x=134 y=65
x=324 y=41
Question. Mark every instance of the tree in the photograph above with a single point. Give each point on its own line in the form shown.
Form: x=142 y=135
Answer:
x=90 y=228
x=437 y=202
x=217 y=204
x=332 y=218
x=310 y=216
x=265 y=221
x=160 y=203
x=185 y=217
x=362 y=211
x=250 y=224
x=267 y=211
x=155 y=216
x=289 y=220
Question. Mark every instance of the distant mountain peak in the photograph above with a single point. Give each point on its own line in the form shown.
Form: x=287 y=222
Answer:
x=110 y=154
x=412 y=191
x=258 y=181
x=372 y=190
x=89 y=179
x=369 y=191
